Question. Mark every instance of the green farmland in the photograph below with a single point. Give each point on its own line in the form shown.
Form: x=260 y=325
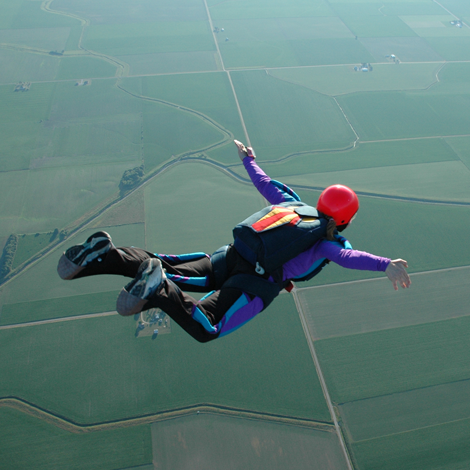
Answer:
x=342 y=373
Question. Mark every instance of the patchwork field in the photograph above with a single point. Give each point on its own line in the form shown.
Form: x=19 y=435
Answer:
x=51 y=447
x=124 y=374
x=169 y=85
x=240 y=442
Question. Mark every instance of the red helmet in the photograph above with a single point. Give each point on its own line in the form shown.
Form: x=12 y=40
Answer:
x=339 y=202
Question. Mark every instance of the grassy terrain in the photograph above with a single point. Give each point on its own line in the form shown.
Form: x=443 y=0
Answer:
x=84 y=67
x=50 y=447
x=343 y=79
x=209 y=94
x=365 y=155
x=406 y=49
x=431 y=448
x=29 y=245
x=407 y=411
x=195 y=218
x=395 y=360
x=440 y=181
x=122 y=12
x=41 y=281
x=123 y=374
x=45 y=39
x=56 y=308
x=374 y=305
x=147 y=38
x=23 y=66
x=272 y=446
x=266 y=9
x=394 y=115
x=171 y=62
x=283 y=116
x=296 y=52
x=377 y=26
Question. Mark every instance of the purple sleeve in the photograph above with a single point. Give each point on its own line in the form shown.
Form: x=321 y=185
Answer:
x=262 y=182
x=351 y=259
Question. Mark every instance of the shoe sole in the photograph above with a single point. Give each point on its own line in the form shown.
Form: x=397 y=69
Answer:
x=149 y=277
x=93 y=247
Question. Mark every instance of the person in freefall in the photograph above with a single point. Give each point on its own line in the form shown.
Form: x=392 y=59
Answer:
x=237 y=290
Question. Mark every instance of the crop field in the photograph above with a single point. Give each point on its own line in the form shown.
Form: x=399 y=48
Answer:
x=50 y=447
x=122 y=12
x=169 y=85
x=373 y=305
x=266 y=9
x=262 y=97
x=19 y=66
x=196 y=219
x=42 y=283
x=124 y=374
x=23 y=312
x=412 y=357
x=339 y=80
x=406 y=411
x=243 y=441
x=171 y=62
x=408 y=49
x=146 y=38
x=429 y=448
x=84 y=67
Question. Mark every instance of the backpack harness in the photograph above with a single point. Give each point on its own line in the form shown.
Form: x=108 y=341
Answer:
x=267 y=240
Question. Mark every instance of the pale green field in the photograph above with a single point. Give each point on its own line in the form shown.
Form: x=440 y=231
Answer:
x=171 y=62
x=406 y=49
x=377 y=26
x=30 y=15
x=295 y=52
x=23 y=66
x=84 y=67
x=50 y=447
x=374 y=305
x=44 y=199
x=46 y=39
x=124 y=12
x=148 y=38
x=170 y=132
x=395 y=360
x=246 y=9
x=461 y=146
x=24 y=312
x=209 y=94
x=284 y=117
x=440 y=181
x=407 y=411
x=272 y=446
x=434 y=26
x=343 y=79
x=129 y=377
x=364 y=155
x=451 y=48
x=432 y=448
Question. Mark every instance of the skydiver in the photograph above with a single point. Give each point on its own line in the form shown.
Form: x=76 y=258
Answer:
x=236 y=289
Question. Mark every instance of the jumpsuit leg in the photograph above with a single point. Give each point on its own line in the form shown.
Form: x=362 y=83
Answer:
x=193 y=275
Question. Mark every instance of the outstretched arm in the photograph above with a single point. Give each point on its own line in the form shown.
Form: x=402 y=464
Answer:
x=347 y=258
x=274 y=191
